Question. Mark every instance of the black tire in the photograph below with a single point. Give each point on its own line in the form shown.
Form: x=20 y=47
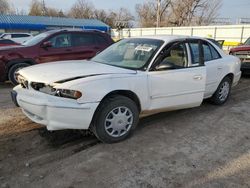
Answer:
x=217 y=98
x=13 y=70
x=108 y=107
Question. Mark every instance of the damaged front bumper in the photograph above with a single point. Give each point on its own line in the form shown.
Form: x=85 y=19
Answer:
x=56 y=113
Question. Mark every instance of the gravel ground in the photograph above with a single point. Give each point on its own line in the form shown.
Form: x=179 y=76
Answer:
x=206 y=147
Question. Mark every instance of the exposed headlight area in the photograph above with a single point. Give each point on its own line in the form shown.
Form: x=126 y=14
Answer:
x=22 y=81
x=50 y=90
x=73 y=94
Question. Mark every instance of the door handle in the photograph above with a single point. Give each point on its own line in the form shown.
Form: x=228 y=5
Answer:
x=219 y=68
x=68 y=50
x=197 y=77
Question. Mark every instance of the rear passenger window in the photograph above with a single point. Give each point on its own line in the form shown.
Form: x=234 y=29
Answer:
x=79 y=39
x=100 y=40
x=215 y=53
x=207 y=53
x=19 y=35
x=195 y=52
x=210 y=53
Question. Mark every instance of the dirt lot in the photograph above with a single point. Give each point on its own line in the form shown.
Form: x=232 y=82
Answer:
x=208 y=146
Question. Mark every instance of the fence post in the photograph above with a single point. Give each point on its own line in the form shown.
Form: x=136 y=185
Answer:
x=121 y=33
x=141 y=31
x=172 y=31
x=215 y=33
x=242 y=34
x=192 y=31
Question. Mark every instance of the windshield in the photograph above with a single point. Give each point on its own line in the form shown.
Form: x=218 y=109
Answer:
x=129 y=53
x=247 y=42
x=35 y=39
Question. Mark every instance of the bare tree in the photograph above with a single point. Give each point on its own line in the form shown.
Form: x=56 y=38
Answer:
x=177 y=12
x=146 y=13
x=150 y=10
x=122 y=14
x=6 y=8
x=183 y=11
x=194 y=12
x=20 y=12
x=61 y=14
x=39 y=8
x=82 y=9
x=36 y=8
x=111 y=17
x=4 y=5
x=101 y=15
x=209 y=12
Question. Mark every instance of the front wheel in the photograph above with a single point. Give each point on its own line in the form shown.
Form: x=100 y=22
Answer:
x=223 y=91
x=115 y=119
x=13 y=72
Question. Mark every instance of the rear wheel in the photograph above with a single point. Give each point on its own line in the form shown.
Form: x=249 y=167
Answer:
x=115 y=119
x=223 y=91
x=12 y=75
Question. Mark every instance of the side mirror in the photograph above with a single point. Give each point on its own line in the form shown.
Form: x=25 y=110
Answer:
x=165 y=66
x=46 y=44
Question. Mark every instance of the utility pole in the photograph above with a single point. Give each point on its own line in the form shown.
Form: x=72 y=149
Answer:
x=158 y=13
x=44 y=8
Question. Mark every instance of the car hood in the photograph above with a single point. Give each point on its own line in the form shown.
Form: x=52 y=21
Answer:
x=64 y=71
x=13 y=47
x=241 y=48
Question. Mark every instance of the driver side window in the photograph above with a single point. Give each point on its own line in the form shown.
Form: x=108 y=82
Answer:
x=175 y=57
x=61 y=41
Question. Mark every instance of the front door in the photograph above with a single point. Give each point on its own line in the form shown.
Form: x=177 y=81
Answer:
x=173 y=83
x=60 y=50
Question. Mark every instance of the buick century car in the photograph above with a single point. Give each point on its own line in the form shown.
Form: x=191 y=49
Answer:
x=132 y=78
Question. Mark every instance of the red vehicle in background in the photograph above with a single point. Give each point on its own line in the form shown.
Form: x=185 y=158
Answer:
x=243 y=52
x=8 y=42
x=54 y=45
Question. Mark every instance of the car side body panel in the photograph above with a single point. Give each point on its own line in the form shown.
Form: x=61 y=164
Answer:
x=95 y=88
x=220 y=69
x=176 y=89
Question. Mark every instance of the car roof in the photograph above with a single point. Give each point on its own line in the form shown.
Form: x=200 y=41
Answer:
x=16 y=33
x=73 y=30
x=168 y=38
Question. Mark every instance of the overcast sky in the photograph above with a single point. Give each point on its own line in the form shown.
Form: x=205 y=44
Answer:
x=230 y=8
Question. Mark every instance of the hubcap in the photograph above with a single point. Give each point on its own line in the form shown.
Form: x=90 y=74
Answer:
x=224 y=91
x=118 y=121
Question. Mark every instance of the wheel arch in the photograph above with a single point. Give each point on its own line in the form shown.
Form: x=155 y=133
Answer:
x=230 y=75
x=16 y=61
x=126 y=93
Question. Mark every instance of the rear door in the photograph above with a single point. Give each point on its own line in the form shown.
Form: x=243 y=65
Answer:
x=84 y=45
x=173 y=83
x=60 y=50
x=101 y=42
x=214 y=65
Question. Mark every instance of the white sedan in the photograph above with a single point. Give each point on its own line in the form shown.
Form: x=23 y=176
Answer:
x=132 y=78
